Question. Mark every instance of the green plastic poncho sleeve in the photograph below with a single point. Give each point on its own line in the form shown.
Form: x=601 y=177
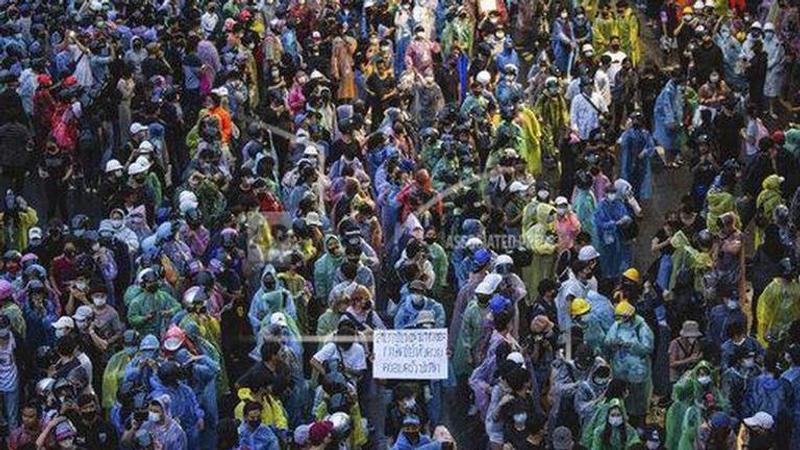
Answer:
x=112 y=376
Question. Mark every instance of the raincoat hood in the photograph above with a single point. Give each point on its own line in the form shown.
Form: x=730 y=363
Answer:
x=772 y=182
x=165 y=402
x=543 y=211
x=728 y=219
x=149 y=343
x=623 y=187
x=472 y=227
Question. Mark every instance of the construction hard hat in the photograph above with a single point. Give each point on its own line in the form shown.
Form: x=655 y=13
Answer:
x=113 y=165
x=624 y=309
x=632 y=274
x=579 y=306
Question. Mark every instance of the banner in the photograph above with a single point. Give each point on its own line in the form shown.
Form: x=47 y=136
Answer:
x=410 y=354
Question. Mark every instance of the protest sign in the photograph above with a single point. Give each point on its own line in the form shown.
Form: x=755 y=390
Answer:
x=410 y=354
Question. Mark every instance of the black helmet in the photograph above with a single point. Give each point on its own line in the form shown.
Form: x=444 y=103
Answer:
x=168 y=372
x=12 y=256
x=204 y=278
x=35 y=286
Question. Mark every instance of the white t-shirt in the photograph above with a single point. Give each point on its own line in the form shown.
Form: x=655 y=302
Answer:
x=355 y=359
x=616 y=64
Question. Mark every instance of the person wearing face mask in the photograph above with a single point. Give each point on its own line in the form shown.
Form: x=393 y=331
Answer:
x=93 y=431
x=768 y=393
x=562 y=41
x=345 y=352
x=403 y=404
x=776 y=56
x=151 y=306
x=541 y=239
x=777 y=304
x=567 y=225
x=792 y=377
x=271 y=297
x=720 y=317
x=615 y=432
x=253 y=433
x=630 y=344
x=10 y=377
x=414 y=302
x=738 y=378
x=160 y=424
x=325 y=268
x=610 y=218
x=467 y=327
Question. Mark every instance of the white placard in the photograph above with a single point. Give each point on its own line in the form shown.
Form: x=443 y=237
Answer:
x=410 y=354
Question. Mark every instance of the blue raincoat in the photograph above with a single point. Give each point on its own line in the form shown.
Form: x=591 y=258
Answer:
x=262 y=438
x=407 y=314
x=170 y=434
x=635 y=169
x=668 y=116
x=203 y=382
x=265 y=303
x=792 y=377
x=184 y=407
x=561 y=39
x=630 y=344
x=615 y=251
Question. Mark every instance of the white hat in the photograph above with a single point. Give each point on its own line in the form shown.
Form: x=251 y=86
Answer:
x=315 y=35
x=113 y=165
x=587 y=48
x=710 y=4
x=312 y=218
x=136 y=168
x=316 y=75
x=278 y=319
x=143 y=161
x=483 y=77
x=761 y=420
x=310 y=150
x=516 y=357
x=187 y=195
x=64 y=322
x=769 y=26
x=489 y=283
x=35 y=233
x=698 y=5
x=146 y=147
x=83 y=312
x=518 y=186
x=474 y=242
x=186 y=205
x=700 y=29
x=503 y=259
x=587 y=253
x=561 y=200
x=756 y=25
x=222 y=91
x=137 y=127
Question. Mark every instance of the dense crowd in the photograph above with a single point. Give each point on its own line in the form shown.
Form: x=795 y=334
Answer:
x=210 y=208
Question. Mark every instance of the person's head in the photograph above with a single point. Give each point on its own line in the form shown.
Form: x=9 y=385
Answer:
x=252 y=414
x=87 y=404
x=30 y=416
x=616 y=418
x=155 y=413
x=614 y=43
x=270 y=351
x=411 y=427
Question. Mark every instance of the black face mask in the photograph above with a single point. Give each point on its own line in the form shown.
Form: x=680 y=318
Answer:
x=88 y=416
x=254 y=423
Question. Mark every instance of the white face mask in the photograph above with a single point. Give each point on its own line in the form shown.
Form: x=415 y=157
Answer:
x=749 y=362
x=520 y=418
x=611 y=197
x=732 y=304
x=705 y=380
x=543 y=194
x=615 y=421
x=561 y=210
x=714 y=78
x=66 y=443
x=61 y=332
x=99 y=300
x=564 y=15
x=652 y=445
x=154 y=417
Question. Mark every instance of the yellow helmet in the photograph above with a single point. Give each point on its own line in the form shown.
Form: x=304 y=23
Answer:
x=579 y=307
x=624 y=309
x=632 y=274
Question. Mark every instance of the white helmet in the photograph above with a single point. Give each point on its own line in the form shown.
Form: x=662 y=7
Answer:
x=113 y=165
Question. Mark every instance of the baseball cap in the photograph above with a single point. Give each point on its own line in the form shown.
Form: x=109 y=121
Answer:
x=498 y=303
x=761 y=420
x=83 y=313
x=64 y=322
x=136 y=127
x=278 y=319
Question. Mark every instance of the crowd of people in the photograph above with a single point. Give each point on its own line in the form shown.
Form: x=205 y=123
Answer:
x=210 y=208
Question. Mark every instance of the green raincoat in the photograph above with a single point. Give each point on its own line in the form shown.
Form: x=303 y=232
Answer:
x=685 y=415
x=160 y=304
x=439 y=260
x=324 y=270
x=615 y=440
x=719 y=203
x=687 y=256
x=113 y=375
x=468 y=337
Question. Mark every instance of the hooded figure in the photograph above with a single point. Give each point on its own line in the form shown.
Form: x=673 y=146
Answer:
x=271 y=298
x=325 y=268
x=636 y=149
x=541 y=238
x=766 y=202
x=609 y=219
x=183 y=401
x=589 y=392
x=690 y=389
x=630 y=342
x=151 y=308
x=202 y=373
x=668 y=117
x=615 y=432
x=115 y=369
x=164 y=428
x=779 y=304
x=412 y=304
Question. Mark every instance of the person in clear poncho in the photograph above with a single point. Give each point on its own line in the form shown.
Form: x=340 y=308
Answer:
x=615 y=431
x=629 y=342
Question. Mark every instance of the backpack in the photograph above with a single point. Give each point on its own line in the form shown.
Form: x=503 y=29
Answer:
x=566 y=413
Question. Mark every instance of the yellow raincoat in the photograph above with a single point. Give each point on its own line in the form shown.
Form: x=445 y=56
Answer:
x=719 y=203
x=627 y=27
x=529 y=145
x=778 y=306
x=543 y=248
x=766 y=202
x=272 y=412
x=16 y=238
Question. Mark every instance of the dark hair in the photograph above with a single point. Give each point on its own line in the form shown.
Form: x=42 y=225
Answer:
x=66 y=345
x=269 y=349
x=607 y=429
x=546 y=286
x=502 y=320
x=517 y=377
x=251 y=406
x=616 y=389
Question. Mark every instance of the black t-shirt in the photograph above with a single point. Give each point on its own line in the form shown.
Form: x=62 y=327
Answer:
x=726 y=130
x=55 y=165
x=99 y=435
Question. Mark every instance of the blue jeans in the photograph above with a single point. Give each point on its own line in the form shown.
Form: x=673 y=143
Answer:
x=10 y=407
